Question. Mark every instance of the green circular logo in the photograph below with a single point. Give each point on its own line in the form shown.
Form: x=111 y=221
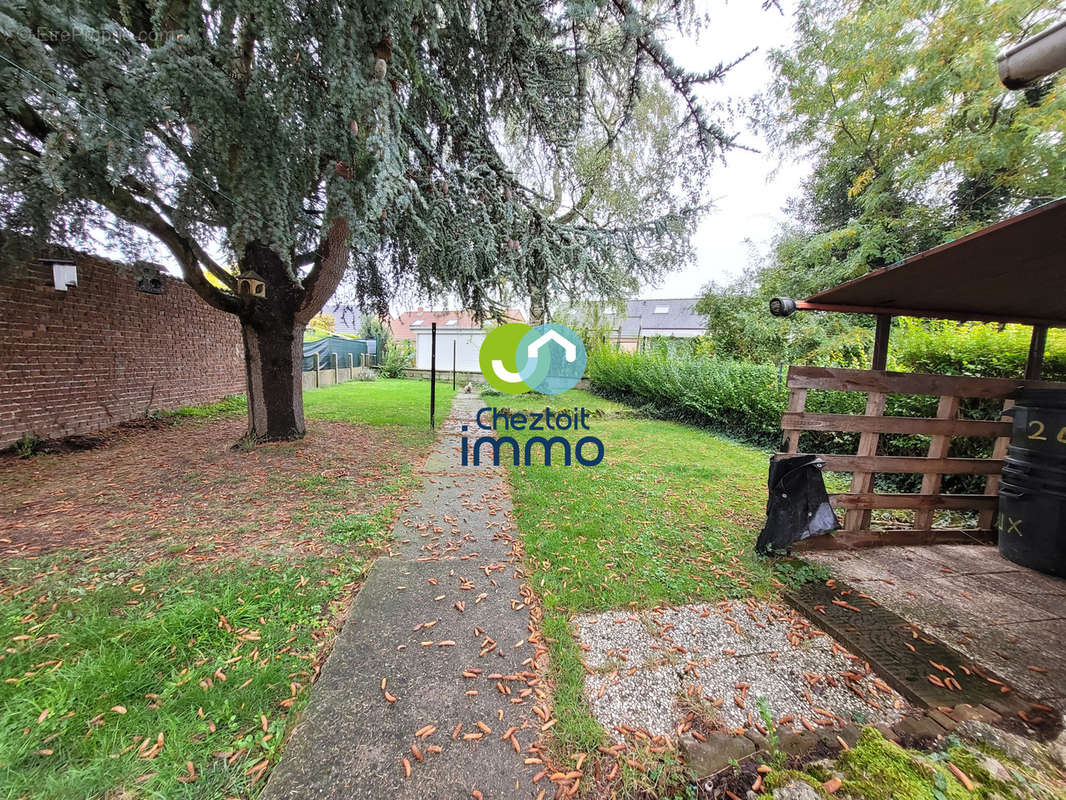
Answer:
x=498 y=359
x=516 y=358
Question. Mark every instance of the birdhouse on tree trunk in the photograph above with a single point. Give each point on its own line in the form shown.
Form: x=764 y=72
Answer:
x=251 y=284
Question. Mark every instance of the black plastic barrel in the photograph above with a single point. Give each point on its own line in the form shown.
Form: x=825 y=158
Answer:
x=1032 y=493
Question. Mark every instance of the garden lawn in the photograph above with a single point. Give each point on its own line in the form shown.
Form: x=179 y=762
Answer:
x=382 y=402
x=670 y=516
x=166 y=599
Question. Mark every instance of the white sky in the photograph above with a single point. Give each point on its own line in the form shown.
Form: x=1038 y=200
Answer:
x=750 y=190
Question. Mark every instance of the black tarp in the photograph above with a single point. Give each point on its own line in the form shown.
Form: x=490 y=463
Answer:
x=326 y=347
x=797 y=506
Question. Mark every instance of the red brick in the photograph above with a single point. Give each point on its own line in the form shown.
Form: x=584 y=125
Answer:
x=90 y=357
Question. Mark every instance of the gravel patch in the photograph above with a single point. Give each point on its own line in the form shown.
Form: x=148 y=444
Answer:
x=651 y=668
x=617 y=639
x=645 y=700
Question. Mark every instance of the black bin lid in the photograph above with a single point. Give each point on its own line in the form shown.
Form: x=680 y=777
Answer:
x=1040 y=398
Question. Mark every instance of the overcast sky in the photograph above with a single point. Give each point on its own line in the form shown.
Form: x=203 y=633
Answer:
x=750 y=190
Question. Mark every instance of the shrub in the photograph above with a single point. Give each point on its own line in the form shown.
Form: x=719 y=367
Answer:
x=942 y=347
x=398 y=357
x=27 y=445
x=746 y=400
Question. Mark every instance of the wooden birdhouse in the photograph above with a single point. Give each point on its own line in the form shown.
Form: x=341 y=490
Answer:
x=251 y=284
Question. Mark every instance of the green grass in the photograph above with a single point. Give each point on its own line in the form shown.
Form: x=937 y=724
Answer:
x=384 y=401
x=155 y=644
x=379 y=402
x=233 y=404
x=105 y=649
x=669 y=516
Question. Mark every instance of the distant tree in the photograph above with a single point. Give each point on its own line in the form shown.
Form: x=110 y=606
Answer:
x=739 y=325
x=632 y=169
x=372 y=326
x=304 y=139
x=324 y=323
x=914 y=140
x=596 y=321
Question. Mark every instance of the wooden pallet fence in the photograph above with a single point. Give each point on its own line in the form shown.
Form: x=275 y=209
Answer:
x=861 y=500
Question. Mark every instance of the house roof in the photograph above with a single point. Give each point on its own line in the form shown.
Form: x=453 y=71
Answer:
x=401 y=325
x=644 y=317
x=345 y=324
x=1012 y=271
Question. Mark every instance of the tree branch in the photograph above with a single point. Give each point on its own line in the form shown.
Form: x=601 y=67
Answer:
x=328 y=269
x=137 y=187
x=124 y=205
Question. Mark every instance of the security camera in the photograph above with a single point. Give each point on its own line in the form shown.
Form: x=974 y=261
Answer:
x=782 y=306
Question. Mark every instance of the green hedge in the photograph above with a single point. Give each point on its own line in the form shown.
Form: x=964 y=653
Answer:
x=746 y=400
x=982 y=350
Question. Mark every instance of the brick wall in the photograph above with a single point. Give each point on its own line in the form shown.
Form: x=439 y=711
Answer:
x=102 y=352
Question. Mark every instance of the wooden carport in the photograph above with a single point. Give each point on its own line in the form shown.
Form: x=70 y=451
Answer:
x=1013 y=271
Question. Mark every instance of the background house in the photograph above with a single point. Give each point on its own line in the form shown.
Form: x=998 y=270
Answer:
x=459 y=336
x=647 y=319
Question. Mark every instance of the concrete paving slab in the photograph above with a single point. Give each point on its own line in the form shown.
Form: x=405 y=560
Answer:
x=448 y=601
x=711 y=630
x=998 y=614
x=969 y=593
x=617 y=639
x=960 y=559
x=1020 y=652
x=645 y=699
x=904 y=565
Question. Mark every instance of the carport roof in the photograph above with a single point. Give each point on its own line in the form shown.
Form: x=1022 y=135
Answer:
x=1013 y=271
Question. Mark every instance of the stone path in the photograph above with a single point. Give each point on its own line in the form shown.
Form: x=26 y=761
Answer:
x=434 y=665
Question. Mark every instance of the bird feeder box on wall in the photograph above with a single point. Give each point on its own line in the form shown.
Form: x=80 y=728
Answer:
x=251 y=284
x=150 y=281
x=64 y=273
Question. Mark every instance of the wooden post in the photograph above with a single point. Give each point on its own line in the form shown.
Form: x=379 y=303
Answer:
x=797 y=403
x=351 y=362
x=453 y=364
x=433 y=375
x=856 y=519
x=335 y=360
x=315 y=365
x=1034 y=365
x=948 y=408
x=987 y=518
x=879 y=357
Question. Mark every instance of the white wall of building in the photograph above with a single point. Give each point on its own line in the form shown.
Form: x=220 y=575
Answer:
x=464 y=342
x=680 y=333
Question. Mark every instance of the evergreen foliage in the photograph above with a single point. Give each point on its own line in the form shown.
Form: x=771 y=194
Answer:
x=306 y=139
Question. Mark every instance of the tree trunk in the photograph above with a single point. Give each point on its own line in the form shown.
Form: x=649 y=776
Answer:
x=537 y=283
x=273 y=329
x=538 y=305
x=273 y=364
